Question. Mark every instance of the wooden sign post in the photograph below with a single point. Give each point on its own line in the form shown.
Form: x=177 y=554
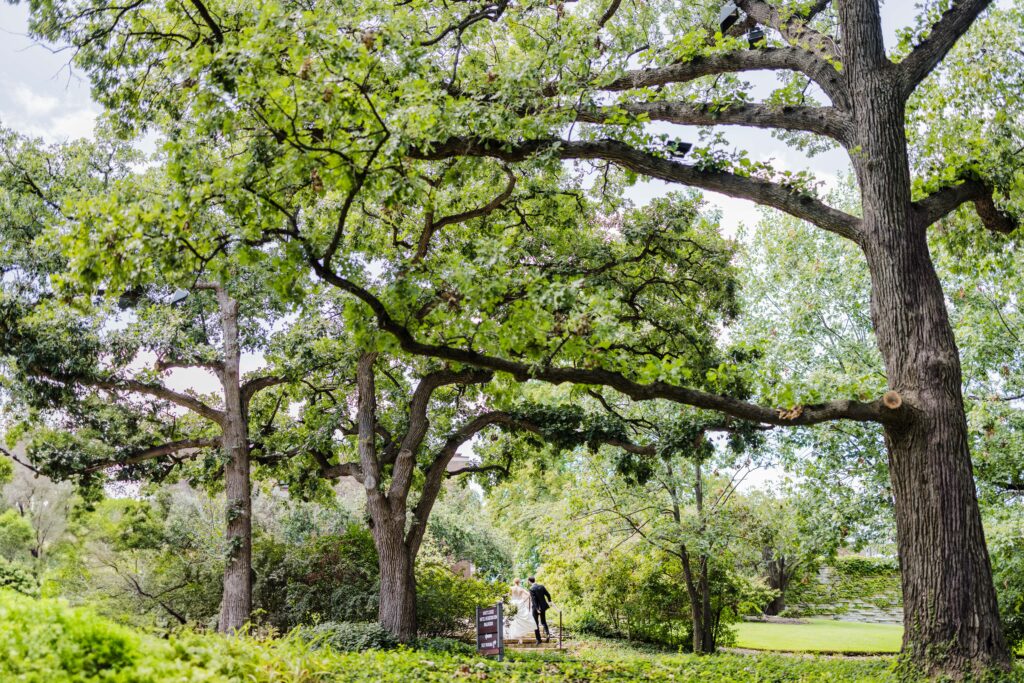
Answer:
x=490 y=636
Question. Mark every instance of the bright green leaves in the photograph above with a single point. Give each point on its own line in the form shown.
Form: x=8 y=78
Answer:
x=640 y=293
x=807 y=315
x=965 y=120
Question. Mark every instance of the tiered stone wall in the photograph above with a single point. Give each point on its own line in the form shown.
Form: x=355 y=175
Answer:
x=850 y=589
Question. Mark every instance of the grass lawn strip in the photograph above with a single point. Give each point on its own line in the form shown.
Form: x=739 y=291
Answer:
x=820 y=635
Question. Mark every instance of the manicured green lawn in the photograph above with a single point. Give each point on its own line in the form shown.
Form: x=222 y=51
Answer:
x=819 y=635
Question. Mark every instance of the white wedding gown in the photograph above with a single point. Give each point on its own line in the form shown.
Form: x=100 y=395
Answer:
x=521 y=625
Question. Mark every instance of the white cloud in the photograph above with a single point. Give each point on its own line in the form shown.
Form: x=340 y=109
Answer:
x=72 y=125
x=32 y=103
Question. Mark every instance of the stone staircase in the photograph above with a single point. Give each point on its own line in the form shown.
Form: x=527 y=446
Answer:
x=560 y=639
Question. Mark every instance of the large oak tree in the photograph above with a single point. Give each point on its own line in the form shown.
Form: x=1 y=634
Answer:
x=326 y=105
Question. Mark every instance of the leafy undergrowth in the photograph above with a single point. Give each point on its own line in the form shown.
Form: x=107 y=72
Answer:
x=47 y=641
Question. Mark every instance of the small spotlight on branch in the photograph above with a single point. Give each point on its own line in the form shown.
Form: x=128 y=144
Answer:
x=678 y=148
x=177 y=296
x=754 y=36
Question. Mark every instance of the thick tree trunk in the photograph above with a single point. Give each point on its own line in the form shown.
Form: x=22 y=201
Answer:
x=951 y=616
x=236 y=603
x=397 y=610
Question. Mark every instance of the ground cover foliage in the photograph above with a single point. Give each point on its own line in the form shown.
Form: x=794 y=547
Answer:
x=46 y=641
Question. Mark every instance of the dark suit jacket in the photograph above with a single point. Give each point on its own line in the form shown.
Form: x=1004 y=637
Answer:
x=539 y=598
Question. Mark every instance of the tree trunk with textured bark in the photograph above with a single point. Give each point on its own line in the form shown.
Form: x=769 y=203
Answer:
x=696 y=603
x=778 y=574
x=698 y=584
x=951 y=617
x=397 y=610
x=236 y=602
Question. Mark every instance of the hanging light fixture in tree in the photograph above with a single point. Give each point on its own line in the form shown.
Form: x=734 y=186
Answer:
x=177 y=296
x=728 y=15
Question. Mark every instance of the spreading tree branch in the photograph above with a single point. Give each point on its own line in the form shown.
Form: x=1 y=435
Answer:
x=476 y=469
x=253 y=386
x=154 y=452
x=218 y=34
x=794 y=28
x=27 y=465
x=163 y=365
x=613 y=7
x=826 y=121
x=940 y=203
x=401 y=479
x=435 y=474
x=886 y=410
x=753 y=189
x=158 y=391
x=345 y=469
x=489 y=12
x=763 y=59
x=954 y=22
x=432 y=226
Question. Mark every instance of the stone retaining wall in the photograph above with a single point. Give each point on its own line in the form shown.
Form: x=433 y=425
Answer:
x=852 y=590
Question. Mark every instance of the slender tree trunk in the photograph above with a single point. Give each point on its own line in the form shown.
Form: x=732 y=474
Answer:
x=951 y=616
x=236 y=603
x=706 y=616
x=696 y=603
x=698 y=587
x=704 y=586
x=778 y=578
x=397 y=610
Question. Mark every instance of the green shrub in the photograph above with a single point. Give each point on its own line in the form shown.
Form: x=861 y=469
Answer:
x=623 y=595
x=17 y=578
x=449 y=645
x=16 y=535
x=352 y=636
x=446 y=602
x=45 y=641
x=592 y=624
x=331 y=577
x=1007 y=548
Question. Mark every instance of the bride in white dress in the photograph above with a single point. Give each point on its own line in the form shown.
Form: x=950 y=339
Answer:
x=521 y=625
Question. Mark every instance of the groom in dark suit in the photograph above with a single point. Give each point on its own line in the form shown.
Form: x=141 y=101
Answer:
x=540 y=600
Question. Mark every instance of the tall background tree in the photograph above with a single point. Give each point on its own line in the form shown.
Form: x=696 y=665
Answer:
x=89 y=379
